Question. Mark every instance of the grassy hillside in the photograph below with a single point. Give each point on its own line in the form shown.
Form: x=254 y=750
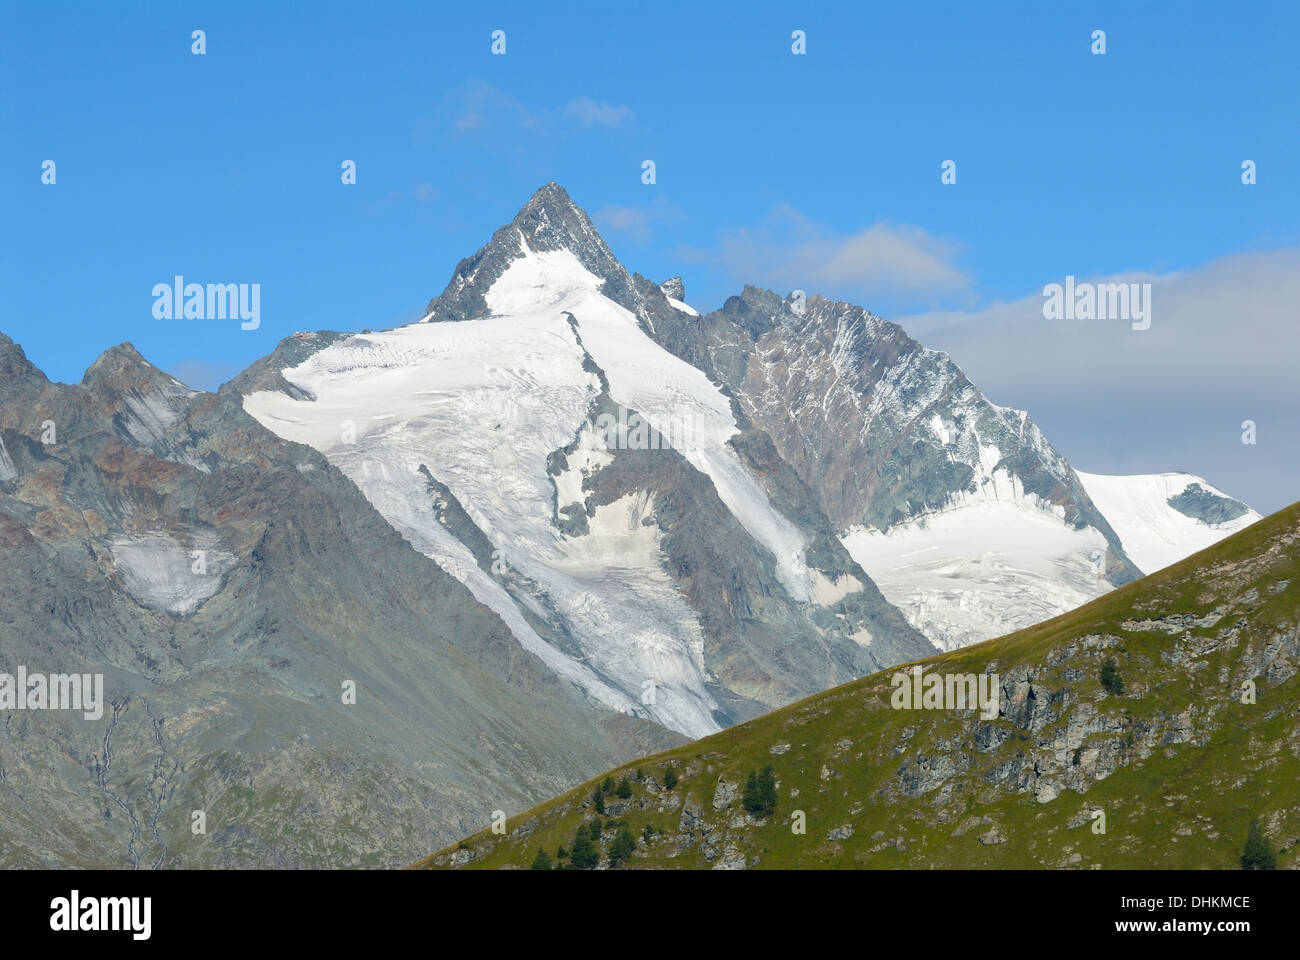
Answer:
x=1177 y=763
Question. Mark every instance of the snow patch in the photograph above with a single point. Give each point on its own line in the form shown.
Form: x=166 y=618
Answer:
x=678 y=305
x=159 y=572
x=1153 y=533
x=7 y=469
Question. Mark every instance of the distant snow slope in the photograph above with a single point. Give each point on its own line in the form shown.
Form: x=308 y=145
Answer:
x=998 y=560
x=992 y=563
x=1154 y=532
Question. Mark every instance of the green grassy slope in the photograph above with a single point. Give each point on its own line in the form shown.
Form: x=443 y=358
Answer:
x=1177 y=762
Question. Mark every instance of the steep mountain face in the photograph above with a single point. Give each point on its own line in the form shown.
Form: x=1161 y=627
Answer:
x=1145 y=729
x=608 y=500
x=231 y=588
x=963 y=513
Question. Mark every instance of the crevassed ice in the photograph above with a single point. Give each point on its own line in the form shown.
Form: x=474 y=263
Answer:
x=674 y=397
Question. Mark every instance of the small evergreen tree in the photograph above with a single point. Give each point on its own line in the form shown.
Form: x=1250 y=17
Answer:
x=562 y=853
x=760 y=793
x=624 y=789
x=670 y=778
x=1110 y=678
x=1258 y=853
x=607 y=786
x=598 y=800
x=647 y=833
x=543 y=860
x=595 y=829
x=767 y=790
x=622 y=846
x=584 y=855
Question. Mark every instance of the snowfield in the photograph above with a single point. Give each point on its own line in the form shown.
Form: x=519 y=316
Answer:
x=999 y=561
x=1153 y=533
x=992 y=563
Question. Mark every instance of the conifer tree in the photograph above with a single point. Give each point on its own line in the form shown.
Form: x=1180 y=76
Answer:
x=622 y=846
x=1258 y=853
x=670 y=778
x=585 y=855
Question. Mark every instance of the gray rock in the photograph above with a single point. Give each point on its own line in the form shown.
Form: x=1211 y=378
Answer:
x=724 y=795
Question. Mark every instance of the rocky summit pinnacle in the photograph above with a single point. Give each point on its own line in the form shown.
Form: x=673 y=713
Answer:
x=548 y=222
x=16 y=370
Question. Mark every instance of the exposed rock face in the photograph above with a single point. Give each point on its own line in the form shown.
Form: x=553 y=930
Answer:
x=1200 y=504
x=228 y=585
x=674 y=288
x=889 y=436
x=725 y=794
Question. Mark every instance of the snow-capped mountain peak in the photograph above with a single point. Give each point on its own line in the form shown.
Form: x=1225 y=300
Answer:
x=594 y=489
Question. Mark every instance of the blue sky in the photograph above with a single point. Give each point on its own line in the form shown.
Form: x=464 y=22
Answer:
x=820 y=171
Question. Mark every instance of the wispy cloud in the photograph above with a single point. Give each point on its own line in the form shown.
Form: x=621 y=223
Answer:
x=480 y=108
x=788 y=251
x=420 y=193
x=635 y=223
x=587 y=112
